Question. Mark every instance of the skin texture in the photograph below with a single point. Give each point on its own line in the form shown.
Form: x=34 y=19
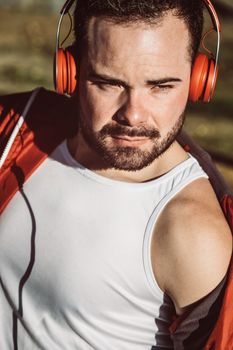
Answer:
x=121 y=99
x=137 y=55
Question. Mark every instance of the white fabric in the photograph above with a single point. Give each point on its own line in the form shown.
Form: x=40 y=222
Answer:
x=91 y=284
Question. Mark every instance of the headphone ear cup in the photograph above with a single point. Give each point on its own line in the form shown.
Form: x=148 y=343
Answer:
x=65 y=71
x=199 y=77
x=60 y=71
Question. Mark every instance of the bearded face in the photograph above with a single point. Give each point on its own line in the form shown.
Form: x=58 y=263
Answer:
x=110 y=142
x=132 y=91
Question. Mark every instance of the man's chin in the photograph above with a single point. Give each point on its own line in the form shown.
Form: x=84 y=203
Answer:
x=128 y=158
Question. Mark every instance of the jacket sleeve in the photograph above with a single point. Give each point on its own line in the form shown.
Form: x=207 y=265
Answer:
x=192 y=330
x=49 y=121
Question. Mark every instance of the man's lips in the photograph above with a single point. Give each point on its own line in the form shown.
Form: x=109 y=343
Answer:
x=127 y=140
x=130 y=138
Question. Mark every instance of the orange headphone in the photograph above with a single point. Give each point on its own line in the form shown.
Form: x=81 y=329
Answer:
x=204 y=71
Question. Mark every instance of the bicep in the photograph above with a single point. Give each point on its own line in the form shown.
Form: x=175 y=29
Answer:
x=196 y=268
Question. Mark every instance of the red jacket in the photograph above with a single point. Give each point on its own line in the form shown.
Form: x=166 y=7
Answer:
x=42 y=132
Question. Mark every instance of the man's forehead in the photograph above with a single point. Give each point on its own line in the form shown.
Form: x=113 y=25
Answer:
x=101 y=25
x=111 y=42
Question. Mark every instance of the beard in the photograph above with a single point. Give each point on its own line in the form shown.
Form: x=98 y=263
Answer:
x=129 y=158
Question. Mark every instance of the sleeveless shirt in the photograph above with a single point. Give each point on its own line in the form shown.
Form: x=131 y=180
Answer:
x=75 y=264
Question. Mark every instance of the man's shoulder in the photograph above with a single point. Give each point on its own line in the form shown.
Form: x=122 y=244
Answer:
x=196 y=201
x=196 y=217
x=194 y=244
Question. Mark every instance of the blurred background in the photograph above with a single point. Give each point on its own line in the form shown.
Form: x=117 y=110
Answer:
x=27 y=43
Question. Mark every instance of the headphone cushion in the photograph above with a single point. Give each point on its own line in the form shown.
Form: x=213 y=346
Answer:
x=71 y=71
x=211 y=82
x=199 y=77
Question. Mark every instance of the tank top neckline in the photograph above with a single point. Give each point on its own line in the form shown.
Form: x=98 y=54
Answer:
x=107 y=181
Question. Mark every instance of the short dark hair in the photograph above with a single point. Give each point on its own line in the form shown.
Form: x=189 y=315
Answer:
x=128 y=11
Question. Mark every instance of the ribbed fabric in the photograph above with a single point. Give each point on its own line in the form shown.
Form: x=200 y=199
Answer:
x=90 y=284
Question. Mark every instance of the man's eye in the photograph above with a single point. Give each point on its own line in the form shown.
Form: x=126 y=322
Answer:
x=103 y=84
x=162 y=87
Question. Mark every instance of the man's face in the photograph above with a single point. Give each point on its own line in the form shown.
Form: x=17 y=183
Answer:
x=133 y=87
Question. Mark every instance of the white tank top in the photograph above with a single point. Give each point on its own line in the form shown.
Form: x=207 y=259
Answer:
x=75 y=260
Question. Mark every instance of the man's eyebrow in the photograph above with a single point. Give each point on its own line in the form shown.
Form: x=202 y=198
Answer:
x=113 y=80
x=163 y=81
x=106 y=78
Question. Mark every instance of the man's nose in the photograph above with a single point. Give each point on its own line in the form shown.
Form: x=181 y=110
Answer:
x=133 y=110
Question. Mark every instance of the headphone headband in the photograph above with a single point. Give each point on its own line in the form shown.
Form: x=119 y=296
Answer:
x=217 y=27
x=202 y=85
x=213 y=15
x=66 y=7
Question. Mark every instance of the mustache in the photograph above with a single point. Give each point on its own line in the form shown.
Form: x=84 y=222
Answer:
x=119 y=130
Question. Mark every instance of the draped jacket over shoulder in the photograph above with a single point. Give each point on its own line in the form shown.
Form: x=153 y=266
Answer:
x=50 y=120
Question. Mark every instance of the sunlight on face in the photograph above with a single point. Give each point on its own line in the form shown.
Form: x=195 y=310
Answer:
x=133 y=89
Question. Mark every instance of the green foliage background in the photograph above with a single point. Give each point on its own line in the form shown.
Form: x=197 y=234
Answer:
x=27 y=42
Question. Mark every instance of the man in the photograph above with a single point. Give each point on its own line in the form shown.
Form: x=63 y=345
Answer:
x=119 y=228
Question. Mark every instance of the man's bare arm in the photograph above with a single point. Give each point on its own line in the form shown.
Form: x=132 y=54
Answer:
x=192 y=245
